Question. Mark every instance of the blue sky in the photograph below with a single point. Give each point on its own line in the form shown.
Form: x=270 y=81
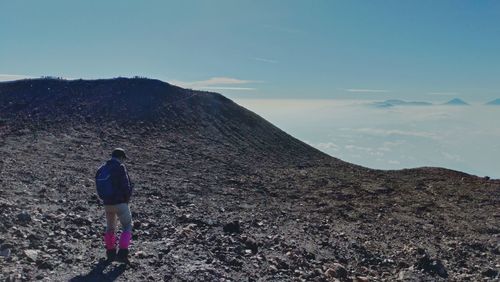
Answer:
x=422 y=50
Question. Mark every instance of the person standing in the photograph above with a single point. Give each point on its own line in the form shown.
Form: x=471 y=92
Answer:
x=115 y=189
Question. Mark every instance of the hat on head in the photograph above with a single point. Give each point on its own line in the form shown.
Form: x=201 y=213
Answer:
x=118 y=153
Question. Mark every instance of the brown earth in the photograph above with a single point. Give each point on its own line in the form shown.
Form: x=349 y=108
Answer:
x=220 y=195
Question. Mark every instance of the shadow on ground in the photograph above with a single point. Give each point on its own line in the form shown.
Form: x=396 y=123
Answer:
x=101 y=272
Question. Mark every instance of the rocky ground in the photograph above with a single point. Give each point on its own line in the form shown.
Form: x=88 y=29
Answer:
x=222 y=195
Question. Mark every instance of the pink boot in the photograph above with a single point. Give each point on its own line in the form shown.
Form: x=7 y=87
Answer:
x=110 y=242
x=124 y=244
x=125 y=239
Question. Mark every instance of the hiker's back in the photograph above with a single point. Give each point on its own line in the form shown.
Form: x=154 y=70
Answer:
x=112 y=183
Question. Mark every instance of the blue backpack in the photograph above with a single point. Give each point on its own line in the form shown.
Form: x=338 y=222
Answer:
x=104 y=183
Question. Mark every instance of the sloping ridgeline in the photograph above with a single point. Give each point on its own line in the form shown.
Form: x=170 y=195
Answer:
x=139 y=104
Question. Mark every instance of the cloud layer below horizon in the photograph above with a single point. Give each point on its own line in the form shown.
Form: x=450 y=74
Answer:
x=460 y=138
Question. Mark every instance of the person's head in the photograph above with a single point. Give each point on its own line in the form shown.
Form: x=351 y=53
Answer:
x=119 y=154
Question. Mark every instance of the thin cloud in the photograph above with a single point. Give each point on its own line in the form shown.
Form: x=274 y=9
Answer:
x=325 y=146
x=217 y=83
x=352 y=147
x=388 y=146
x=443 y=93
x=228 y=88
x=363 y=150
x=11 y=77
x=395 y=132
x=452 y=157
x=270 y=61
x=361 y=90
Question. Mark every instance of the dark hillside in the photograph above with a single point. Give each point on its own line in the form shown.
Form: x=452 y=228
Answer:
x=142 y=104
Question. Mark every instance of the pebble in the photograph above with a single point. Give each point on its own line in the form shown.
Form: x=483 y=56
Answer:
x=5 y=253
x=32 y=255
x=252 y=246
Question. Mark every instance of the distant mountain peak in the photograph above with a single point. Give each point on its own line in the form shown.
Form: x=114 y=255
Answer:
x=397 y=102
x=456 y=102
x=495 y=102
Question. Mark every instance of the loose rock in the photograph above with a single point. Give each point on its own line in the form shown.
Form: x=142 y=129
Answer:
x=491 y=273
x=31 y=255
x=24 y=217
x=433 y=266
x=5 y=253
x=337 y=270
x=232 y=227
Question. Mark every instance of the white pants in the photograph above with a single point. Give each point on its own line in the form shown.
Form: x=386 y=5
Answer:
x=122 y=211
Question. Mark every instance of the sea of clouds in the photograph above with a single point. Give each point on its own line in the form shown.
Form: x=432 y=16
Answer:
x=464 y=138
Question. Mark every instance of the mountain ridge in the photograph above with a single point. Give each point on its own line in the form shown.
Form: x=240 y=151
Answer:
x=495 y=102
x=456 y=102
x=142 y=103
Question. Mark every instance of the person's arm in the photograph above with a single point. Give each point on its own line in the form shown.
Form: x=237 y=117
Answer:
x=125 y=183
